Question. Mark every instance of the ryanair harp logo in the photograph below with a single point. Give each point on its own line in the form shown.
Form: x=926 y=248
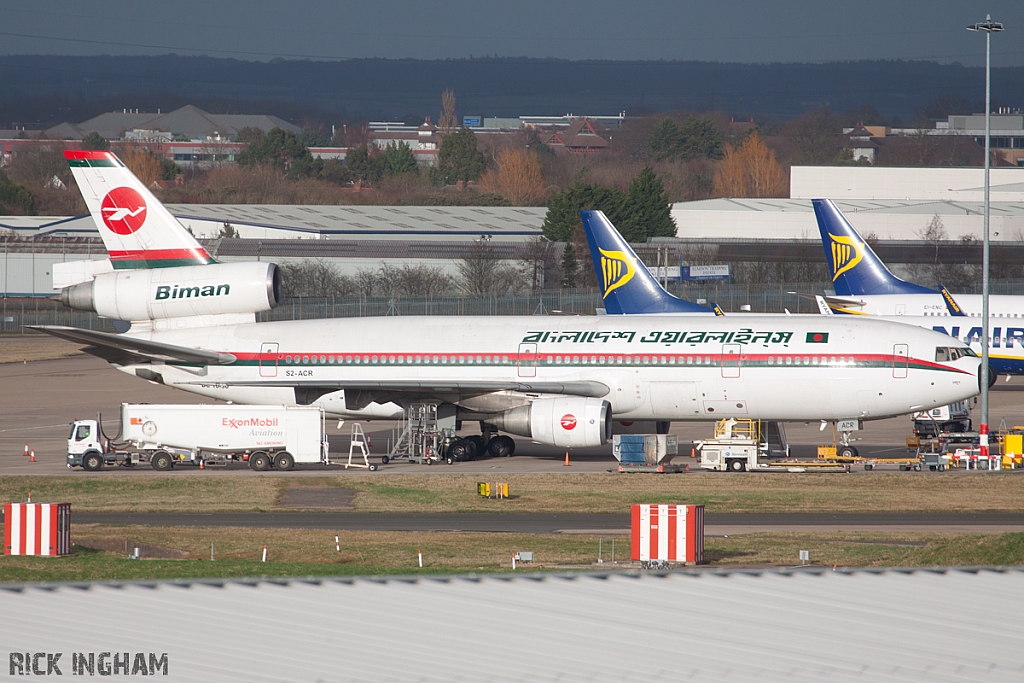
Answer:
x=616 y=270
x=846 y=254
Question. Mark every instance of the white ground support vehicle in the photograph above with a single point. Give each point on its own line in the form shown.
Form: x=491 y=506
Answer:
x=164 y=435
x=956 y=417
x=740 y=444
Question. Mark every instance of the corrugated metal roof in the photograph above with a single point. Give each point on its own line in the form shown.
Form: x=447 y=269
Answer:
x=851 y=207
x=389 y=222
x=914 y=625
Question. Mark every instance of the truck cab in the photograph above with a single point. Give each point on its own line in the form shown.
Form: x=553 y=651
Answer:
x=85 y=447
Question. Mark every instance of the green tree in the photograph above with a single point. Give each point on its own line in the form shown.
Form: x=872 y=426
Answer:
x=15 y=200
x=399 y=159
x=701 y=139
x=95 y=141
x=170 y=170
x=458 y=159
x=695 y=138
x=562 y=220
x=359 y=162
x=665 y=139
x=646 y=211
x=281 y=149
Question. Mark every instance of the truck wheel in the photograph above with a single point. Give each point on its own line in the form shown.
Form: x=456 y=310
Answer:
x=737 y=466
x=259 y=461
x=161 y=461
x=283 y=461
x=92 y=461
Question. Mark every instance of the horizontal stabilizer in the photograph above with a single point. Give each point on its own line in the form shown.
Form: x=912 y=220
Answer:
x=140 y=347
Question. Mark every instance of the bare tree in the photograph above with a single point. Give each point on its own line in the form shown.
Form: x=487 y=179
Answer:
x=448 y=122
x=314 y=278
x=484 y=272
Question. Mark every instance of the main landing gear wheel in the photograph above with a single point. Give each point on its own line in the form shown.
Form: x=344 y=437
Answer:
x=501 y=447
x=461 y=449
x=161 y=461
x=259 y=461
x=479 y=445
x=284 y=461
x=92 y=462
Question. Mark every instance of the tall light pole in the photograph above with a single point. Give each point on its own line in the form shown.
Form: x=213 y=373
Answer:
x=989 y=27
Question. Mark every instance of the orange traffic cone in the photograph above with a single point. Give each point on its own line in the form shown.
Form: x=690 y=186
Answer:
x=26 y=450
x=693 y=451
x=687 y=468
x=202 y=464
x=32 y=456
x=567 y=458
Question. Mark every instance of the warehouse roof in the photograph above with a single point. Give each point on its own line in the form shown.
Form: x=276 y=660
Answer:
x=854 y=206
x=381 y=222
x=910 y=625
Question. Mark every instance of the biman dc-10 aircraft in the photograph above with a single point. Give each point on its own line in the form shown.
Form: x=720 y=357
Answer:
x=864 y=285
x=555 y=380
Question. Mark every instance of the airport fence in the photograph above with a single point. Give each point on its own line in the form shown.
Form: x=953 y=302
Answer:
x=17 y=313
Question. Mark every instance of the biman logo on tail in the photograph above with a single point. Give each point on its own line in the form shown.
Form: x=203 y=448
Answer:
x=817 y=337
x=123 y=210
x=846 y=254
x=616 y=270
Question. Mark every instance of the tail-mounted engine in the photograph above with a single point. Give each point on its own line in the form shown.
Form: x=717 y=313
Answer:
x=181 y=292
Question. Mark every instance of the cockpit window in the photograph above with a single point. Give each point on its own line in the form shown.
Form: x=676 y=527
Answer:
x=944 y=354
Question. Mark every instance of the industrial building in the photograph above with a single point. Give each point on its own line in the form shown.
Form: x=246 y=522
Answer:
x=809 y=624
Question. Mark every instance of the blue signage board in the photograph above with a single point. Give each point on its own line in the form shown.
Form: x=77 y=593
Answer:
x=472 y=121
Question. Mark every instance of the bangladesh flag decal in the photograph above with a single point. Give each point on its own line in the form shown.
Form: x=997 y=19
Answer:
x=817 y=337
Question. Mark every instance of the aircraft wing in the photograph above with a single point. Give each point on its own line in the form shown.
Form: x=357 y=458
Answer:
x=361 y=392
x=107 y=346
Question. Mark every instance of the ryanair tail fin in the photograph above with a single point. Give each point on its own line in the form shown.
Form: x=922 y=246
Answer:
x=856 y=270
x=626 y=285
x=138 y=231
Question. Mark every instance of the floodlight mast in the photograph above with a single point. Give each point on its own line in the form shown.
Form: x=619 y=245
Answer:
x=988 y=27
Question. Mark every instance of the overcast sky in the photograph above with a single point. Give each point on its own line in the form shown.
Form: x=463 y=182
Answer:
x=726 y=30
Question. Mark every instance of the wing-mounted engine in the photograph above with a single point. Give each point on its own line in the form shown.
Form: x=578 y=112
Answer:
x=178 y=292
x=569 y=422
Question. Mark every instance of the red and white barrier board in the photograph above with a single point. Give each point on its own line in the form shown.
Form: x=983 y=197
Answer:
x=37 y=529
x=670 y=533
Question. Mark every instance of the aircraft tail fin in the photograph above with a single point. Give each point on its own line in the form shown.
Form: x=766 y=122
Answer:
x=952 y=307
x=855 y=269
x=626 y=285
x=138 y=231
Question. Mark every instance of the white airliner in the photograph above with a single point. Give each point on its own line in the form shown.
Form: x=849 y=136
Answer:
x=863 y=285
x=556 y=380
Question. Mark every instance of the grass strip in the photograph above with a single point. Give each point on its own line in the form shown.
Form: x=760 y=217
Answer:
x=313 y=553
x=551 y=493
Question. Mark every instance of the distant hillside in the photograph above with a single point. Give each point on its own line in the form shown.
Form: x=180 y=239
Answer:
x=50 y=89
